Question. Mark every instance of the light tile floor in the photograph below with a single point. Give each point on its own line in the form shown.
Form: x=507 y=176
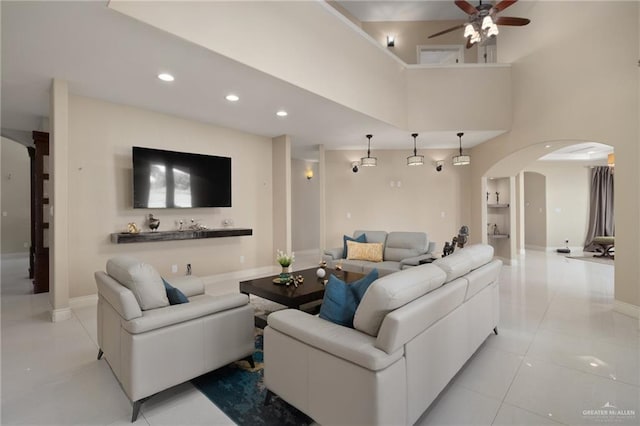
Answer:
x=561 y=352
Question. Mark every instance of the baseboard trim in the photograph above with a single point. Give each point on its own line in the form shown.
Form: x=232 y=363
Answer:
x=61 y=314
x=83 y=301
x=626 y=308
x=308 y=252
x=537 y=248
x=239 y=275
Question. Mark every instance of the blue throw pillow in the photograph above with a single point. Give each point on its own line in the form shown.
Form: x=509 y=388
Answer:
x=341 y=299
x=174 y=295
x=362 y=238
x=360 y=287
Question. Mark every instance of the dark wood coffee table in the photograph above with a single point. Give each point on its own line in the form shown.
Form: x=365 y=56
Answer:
x=311 y=290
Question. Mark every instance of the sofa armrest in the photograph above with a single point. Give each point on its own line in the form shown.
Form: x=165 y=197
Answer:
x=343 y=342
x=432 y=247
x=333 y=253
x=118 y=296
x=414 y=261
x=190 y=285
x=198 y=306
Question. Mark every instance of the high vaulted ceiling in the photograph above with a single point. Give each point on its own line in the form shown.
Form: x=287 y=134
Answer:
x=425 y=10
x=105 y=55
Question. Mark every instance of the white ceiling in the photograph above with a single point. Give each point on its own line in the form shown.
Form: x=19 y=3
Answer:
x=425 y=10
x=105 y=55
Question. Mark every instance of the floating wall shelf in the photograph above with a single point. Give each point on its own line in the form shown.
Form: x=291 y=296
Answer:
x=147 y=237
x=498 y=206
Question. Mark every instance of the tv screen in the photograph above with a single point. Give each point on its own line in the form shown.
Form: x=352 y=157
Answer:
x=168 y=179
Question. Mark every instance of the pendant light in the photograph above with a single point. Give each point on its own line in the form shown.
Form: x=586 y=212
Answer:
x=369 y=161
x=415 y=159
x=461 y=160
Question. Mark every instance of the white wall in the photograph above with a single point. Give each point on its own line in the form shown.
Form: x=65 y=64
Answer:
x=567 y=201
x=427 y=201
x=305 y=206
x=16 y=190
x=557 y=96
x=101 y=135
x=535 y=211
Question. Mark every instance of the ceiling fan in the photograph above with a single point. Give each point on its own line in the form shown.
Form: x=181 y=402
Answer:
x=483 y=21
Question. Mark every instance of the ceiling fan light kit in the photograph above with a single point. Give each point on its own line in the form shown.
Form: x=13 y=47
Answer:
x=483 y=21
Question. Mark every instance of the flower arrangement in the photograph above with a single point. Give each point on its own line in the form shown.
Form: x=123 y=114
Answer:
x=284 y=259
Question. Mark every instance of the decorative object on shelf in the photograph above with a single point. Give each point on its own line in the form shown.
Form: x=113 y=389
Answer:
x=415 y=159
x=132 y=228
x=461 y=160
x=487 y=197
x=447 y=250
x=153 y=222
x=497 y=197
x=368 y=161
x=495 y=229
x=285 y=260
x=323 y=263
x=180 y=224
x=463 y=236
x=321 y=273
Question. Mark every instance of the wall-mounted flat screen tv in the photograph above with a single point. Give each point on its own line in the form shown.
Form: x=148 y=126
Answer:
x=169 y=179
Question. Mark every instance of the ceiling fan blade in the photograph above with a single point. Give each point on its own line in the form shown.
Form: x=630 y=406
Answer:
x=467 y=7
x=503 y=5
x=514 y=22
x=448 y=30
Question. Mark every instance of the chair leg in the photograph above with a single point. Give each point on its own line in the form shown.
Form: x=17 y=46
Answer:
x=267 y=399
x=100 y=353
x=495 y=330
x=249 y=359
x=136 y=409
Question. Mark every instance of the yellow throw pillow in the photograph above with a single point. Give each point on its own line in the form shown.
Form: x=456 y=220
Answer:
x=364 y=251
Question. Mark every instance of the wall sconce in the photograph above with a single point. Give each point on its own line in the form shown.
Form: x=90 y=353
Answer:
x=439 y=166
x=355 y=166
x=309 y=174
x=391 y=40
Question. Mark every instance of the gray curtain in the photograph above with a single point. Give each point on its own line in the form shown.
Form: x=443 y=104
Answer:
x=601 y=207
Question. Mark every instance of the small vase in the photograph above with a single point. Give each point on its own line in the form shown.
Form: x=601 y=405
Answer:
x=284 y=275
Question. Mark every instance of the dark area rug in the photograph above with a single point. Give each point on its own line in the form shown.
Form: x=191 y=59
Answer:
x=239 y=391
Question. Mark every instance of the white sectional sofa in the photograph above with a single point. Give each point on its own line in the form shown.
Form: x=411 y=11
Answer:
x=400 y=251
x=413 y=331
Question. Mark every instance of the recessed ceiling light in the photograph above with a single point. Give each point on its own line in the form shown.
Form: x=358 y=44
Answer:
x=232 y=98
x=282 y=113
x=165 y=77
x=547 y=146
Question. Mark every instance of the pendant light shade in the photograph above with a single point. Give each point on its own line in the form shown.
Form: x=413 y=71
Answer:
x=461 y=160
x=368 y=161
x=415 y=159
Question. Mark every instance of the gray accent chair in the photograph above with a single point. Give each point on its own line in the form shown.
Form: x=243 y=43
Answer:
x=152 y=349
x=402 y=250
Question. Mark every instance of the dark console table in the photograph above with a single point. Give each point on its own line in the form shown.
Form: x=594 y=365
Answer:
x=146 y=237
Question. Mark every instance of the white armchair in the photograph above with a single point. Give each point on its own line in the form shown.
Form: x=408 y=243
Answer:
x=152 y=349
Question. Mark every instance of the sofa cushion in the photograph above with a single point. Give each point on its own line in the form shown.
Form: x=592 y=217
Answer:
x=142 y=279
x=341 y=299
x=480 y=254
x=198 y=306
x=401 y=245
x=373 y=236
x=371 y=252
x=384 y=268
x=174 y=295
x=455 y=265
x=480 y=278
x=359 y=239
x=353 y=265
x=392 y=291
